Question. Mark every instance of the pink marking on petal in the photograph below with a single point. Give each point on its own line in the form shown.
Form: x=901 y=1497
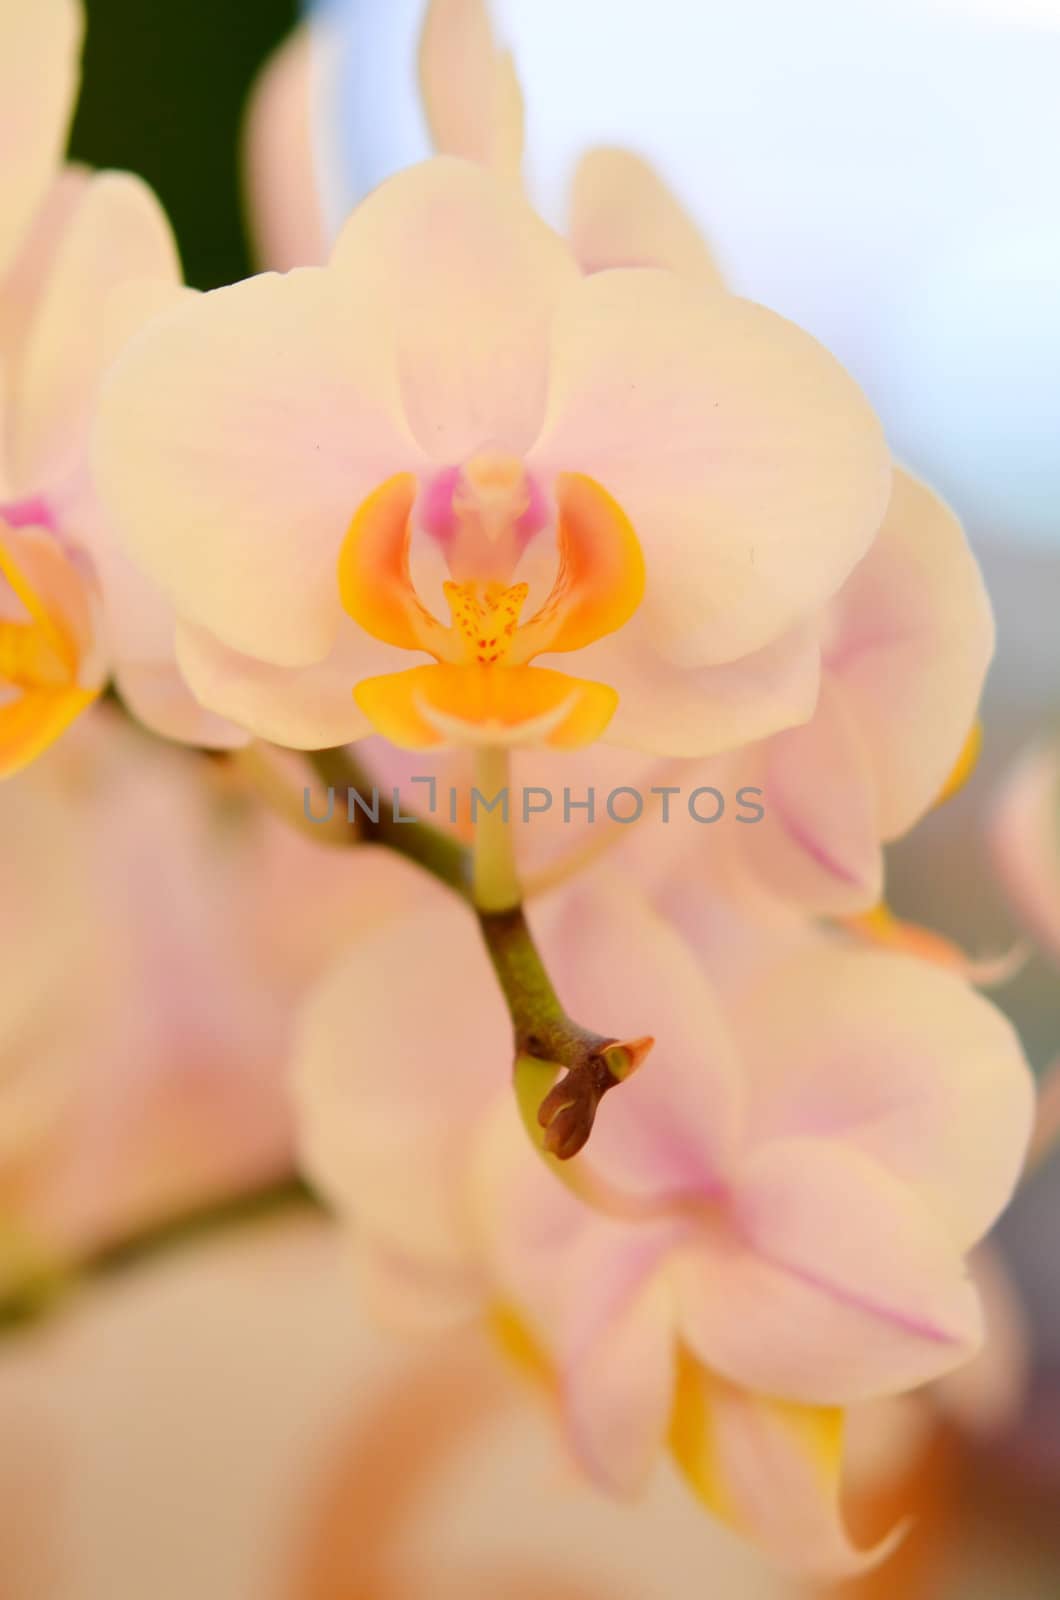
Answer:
x=815 y=849
x=920 y=1327
x=436 y=514
x=537 y=514
x=31 y=513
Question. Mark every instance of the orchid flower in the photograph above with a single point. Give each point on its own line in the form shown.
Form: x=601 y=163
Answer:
x=283 y=183
x=801 y=1169
x=83 y=261
x=904 y=645
x=40 y=66
x=448 y=442
x=181 y=947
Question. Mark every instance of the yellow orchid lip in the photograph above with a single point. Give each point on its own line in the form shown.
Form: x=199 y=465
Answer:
x=482 y=688
x=40 y=654
x=481 y=705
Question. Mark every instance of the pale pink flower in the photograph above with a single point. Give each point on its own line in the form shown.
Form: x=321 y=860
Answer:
x=40 y=48
x=85 y=265
x=905 y=649
x=473 y=427
x=471 y=93
x=802 y=1167
x=906 y=643
x=284 y=189
x=159 y=935
x=905 y=646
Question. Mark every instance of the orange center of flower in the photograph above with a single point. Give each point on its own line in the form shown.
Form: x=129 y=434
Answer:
x=487 y=625
x=44 y=629
x=499 y=535
x=32 y=657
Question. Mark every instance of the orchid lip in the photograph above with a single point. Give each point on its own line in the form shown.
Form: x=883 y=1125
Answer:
x=478 y=517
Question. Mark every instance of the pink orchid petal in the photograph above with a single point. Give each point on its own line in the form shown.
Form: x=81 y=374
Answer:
x=279 y=160
x=117 y=231
x=822 y=1243
x=139 y=618
x=403 y=1049
x=818 y=844
x=305 y=708
x=593 y=1296
x=623 y=215
x=699 y=711
x=899 y=1060
x=912 y=634
x=738 y=931
x=673 y=1127
x=471 y=94
x=40 y=49
x=32 y=265
x=237 y=436
x=749 y=463
x=771 y=1470
x=462 y=280
x=617 y=1386
x=158 y=696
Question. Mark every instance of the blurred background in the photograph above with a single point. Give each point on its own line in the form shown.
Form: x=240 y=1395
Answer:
x=884 y=172
x=163 y=94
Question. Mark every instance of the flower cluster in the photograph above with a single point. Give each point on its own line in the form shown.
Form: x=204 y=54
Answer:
x=460 y=487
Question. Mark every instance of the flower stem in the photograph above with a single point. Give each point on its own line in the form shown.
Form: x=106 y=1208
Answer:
x=592 y=1063
x=495 y=883
x=46 y=1282
x=443 y=857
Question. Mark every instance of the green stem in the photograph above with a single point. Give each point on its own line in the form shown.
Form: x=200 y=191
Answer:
x=592 y=1063
x=495 y=882
x=443 y=857
x=50 y=1282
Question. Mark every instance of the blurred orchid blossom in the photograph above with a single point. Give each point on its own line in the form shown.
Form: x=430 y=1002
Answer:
x=470 y=88
x=159 y=1082
x=83 y=261
x=451 y=400
x=40 y=63
x=905 y=646
x=804 y=1164
x=280 y=159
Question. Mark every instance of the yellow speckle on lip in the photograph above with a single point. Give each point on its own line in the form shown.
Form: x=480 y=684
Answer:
x=487 y=625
